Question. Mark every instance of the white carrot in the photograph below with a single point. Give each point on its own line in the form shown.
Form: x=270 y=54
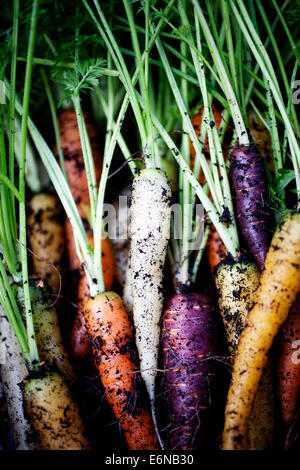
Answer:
x=150 y=231
x=13 y=371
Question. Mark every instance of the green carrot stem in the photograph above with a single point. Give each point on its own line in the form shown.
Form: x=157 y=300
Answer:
x=4 y=301
x=274 y=131
x=154 y=159
x=99 y=287
x=235 y=111
x=295 y=48
x=121 y=141
x=184 y=114
x=229 y=240
x=183 y=269
x=54 y=120
x=5 y=202
x=294 y=148
x=13 y=74
x=87 y=157
x=228 y=35
x=200 y=254
x=33 y=351
x=119 y=61
x=12 y=300
x=10 y=186
x=66 y=65
x=289 y=104
x=280 y=63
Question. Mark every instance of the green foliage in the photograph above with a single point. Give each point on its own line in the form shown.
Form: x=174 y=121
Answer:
x=83 y=78
x=293 y=13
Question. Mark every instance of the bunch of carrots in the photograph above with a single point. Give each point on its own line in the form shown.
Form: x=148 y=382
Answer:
x=149 y=225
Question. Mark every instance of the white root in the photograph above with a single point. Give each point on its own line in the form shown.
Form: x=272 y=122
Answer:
x=150 y=232
x=13 y=371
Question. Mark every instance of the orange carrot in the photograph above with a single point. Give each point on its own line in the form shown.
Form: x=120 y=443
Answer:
x=216 y=250
x=80 y=344
x=289 y=367
x=74 y=163
x=115 y=357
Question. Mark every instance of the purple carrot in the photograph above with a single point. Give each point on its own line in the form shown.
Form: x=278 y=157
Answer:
x=252 y=197
x=190 y=341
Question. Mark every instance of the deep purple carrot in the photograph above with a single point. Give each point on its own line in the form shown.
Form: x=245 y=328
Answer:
x=250 y=187
x=190 y=341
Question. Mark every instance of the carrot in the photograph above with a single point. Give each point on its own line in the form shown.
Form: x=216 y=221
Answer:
x=74 y=163
x=289 y=368
x=236 y=284
x=50 y=344
x=115 y=357
x=46 y=237
x=75 y=169
x=262 y=138
x=279 y=286
x=252 y=196
x=80 y=344
x=150 y=231
x=216 y=250
x=190 y=340
x=13 y=371
x=53 y=414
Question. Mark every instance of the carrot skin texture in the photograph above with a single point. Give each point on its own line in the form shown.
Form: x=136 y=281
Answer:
x=80 y=344
x=115 y=357
x=251 y=193
x=236 y=285
x=53 y=414
x=46 y=236
x=216 y=250
x=279 y=286
x=13 y=371
x=74 y=163
x=189 y=336
x=150 y=232
x=289 y=367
